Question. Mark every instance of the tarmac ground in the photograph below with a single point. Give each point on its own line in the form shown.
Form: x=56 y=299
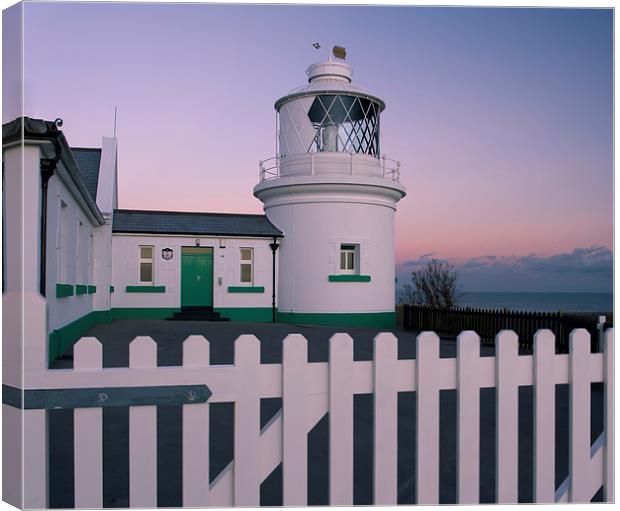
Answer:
x=169 y=335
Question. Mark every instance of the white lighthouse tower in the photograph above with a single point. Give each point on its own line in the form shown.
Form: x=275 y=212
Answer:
x=334 y=195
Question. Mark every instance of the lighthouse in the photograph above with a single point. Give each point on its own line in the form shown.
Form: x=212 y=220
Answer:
x=333 y=194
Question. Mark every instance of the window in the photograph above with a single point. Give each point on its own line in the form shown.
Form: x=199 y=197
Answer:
x=91 y=256
x=146 y=264
x=348 y=259
x=246 y=258
x=81 y=254
x=62 y=244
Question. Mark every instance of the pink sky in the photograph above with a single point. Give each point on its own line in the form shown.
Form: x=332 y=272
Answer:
x=502 y=118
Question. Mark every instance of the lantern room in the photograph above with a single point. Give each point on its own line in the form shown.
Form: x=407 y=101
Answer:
x=329 y=126
x=329 y=114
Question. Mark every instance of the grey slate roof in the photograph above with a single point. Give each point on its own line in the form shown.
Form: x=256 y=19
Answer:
x=88 y=161
x=176 y=222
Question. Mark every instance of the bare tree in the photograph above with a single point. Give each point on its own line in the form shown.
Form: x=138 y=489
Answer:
x=408 y=295
x=435 y=284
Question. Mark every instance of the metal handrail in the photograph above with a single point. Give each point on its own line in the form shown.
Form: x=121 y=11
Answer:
x=270 y=168
x=272 y=171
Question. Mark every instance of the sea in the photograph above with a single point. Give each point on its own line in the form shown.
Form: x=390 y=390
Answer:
x=540 y=302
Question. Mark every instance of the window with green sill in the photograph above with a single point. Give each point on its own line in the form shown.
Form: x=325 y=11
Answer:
x=349 y=259
x=350 y=265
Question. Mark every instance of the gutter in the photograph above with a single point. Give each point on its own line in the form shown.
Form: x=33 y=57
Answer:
x=48 y=166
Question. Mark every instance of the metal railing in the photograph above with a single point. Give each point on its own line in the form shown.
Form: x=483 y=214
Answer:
x=489 y=322
x=388 y=168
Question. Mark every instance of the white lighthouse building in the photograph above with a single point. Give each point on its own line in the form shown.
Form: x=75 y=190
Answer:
x=333 y=195
x=323 y=252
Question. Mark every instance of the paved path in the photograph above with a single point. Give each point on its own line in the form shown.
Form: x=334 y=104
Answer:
x=169 y=335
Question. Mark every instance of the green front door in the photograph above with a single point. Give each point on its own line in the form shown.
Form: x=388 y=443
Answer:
x=196 y=277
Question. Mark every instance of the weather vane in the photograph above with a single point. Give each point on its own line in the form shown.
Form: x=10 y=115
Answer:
x=337 y=51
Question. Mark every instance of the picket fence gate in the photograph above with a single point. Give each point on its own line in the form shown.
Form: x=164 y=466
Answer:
x=308 y=391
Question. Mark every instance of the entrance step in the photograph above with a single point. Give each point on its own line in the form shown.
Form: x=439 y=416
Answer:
x=197 y=314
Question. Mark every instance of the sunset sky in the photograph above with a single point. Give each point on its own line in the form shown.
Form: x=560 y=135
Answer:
x=502 y=118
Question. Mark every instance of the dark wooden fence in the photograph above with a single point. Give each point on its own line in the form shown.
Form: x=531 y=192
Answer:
x=487 y=323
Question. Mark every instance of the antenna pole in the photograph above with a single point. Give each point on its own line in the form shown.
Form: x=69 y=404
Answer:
x=114 y=122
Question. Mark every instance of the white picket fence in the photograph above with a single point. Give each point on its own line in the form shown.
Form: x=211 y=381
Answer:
x=309 y=390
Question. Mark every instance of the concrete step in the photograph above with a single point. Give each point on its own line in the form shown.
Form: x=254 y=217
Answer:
x=197 y=314
x=197 y=318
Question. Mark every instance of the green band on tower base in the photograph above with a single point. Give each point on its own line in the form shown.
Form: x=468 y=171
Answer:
x=353 y=319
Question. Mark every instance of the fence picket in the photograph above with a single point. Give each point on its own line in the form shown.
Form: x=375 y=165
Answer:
x=143 y=433
x=385 y=419
x=88 y=433
x=507 y=417
x=468 y=409
x=196 y=432
x=294 y=423
x=544 y=416
x=340 y=420
x=221 y=490
x=579 y=425
x=427 y=416
x=608 y=469
x=247 y=421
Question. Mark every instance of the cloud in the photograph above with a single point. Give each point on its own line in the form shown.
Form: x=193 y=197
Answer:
x=582 y=269
x=595 y=259
x=420 y=261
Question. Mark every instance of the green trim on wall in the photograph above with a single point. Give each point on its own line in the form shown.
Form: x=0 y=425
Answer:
x=349 y=278
x=64 y=290
x=145 y=289
x=92 y=289
x=354 y=319
x=142 y=312
x=81 y=289
x=246 y=289
x=111 y=289
x=64 y=337
x=246 y=314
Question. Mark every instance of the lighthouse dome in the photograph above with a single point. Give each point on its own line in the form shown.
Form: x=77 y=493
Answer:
x=331 y=76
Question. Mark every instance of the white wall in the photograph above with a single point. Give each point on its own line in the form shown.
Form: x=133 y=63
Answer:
x=316 y=218
x=107 y=203
x=92 y=267
x=63 y=264
x=226 y=270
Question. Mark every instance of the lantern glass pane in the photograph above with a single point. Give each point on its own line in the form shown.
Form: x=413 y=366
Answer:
x=344 y=123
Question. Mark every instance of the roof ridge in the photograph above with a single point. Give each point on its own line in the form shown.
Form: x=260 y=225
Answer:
x=86 y=149
x=167 y=212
